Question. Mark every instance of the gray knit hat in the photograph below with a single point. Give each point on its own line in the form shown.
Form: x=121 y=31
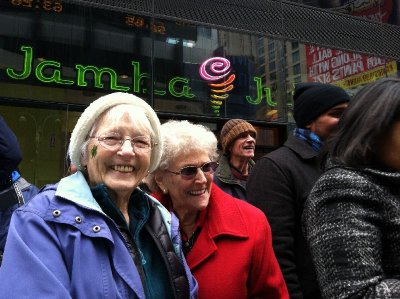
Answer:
x=93 y=111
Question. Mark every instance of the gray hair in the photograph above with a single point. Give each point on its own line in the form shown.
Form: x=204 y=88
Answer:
x=181 y=138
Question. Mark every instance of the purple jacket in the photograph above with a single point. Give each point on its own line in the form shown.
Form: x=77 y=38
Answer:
x=61 y=245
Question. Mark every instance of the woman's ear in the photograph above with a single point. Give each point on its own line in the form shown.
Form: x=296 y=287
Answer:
x=159 y=179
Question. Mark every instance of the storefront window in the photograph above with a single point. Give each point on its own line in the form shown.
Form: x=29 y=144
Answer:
x=42 y=135
x=57 y=58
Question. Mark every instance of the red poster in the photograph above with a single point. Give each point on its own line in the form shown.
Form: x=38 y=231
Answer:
x=329 y=66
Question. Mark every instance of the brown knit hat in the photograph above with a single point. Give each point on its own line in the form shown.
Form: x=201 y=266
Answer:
x=232 y=129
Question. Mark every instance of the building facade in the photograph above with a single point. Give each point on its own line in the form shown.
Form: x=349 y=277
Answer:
x=206 y=61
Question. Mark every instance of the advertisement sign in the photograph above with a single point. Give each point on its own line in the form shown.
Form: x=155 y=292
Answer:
x=345 y=69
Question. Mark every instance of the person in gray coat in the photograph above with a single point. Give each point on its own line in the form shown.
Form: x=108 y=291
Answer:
x=352 y=216
x=281 y=181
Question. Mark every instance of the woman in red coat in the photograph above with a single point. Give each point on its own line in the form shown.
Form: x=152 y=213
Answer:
x=227 y=242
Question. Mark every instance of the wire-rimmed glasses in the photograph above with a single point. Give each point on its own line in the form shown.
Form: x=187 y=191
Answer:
x=114 y=141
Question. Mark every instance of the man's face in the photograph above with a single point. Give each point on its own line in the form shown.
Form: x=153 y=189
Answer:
x=324 y=124
x=244 y=146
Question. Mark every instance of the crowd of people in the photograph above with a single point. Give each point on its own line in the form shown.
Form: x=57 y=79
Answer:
x=151 y=210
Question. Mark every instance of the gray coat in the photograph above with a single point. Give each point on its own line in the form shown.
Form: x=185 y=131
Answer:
x=352 y=223
x=279 y=185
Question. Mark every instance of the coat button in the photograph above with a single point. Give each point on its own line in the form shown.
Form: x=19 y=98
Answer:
x=56 y=213
x=96 y=228
x=78 y=219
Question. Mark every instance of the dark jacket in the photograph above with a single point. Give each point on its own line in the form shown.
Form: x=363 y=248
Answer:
x=224 y=179
x=352 y=221
x=10 y=157
x=28 y=191
x=279 y=185
x=10 y=154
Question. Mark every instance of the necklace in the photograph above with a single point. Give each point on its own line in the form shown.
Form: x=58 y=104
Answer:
x=188 y=244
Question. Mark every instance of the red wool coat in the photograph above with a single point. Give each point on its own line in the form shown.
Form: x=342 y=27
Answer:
x=233 y=256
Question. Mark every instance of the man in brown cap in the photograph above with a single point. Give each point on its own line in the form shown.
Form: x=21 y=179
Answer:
x=238 y=141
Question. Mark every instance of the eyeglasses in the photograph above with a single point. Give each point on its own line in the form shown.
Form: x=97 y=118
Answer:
x=114 y=141
x=189 y=172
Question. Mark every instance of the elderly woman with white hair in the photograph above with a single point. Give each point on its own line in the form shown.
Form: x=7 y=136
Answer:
x=95 y=234
x=227 y=242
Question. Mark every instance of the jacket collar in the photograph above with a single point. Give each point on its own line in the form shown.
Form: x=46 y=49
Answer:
x=223 y=218
x=224 y=172
x=76 y=189
x=301 y=147
x=384 y=175
x=224 y=215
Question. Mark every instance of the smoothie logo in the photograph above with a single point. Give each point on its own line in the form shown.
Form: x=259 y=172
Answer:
x=217 y=70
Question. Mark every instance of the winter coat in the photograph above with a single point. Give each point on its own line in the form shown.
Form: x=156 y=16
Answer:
x=232 y=256
x=352 y=222
x=10 y=157
x=279 y=185
x=62 y=245
x=28 y=191
x=224 y=179
x=10 y=154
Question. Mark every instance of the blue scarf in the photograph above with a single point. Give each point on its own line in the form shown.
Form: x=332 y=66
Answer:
x=310 y=137
x=15 y=175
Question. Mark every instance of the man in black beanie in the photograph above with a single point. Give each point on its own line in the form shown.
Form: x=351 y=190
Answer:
x=281 y=181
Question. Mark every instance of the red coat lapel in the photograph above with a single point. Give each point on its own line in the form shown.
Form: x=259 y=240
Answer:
x=223 y=218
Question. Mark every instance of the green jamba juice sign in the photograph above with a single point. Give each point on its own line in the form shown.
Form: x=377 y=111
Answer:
x=50 y=72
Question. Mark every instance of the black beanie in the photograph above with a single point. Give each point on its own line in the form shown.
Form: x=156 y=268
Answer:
x=313 y=99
